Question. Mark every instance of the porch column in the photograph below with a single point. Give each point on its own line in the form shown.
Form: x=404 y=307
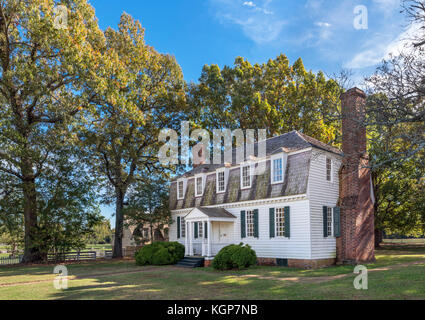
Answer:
x=190 y=238
x=203 y=240
x=186 y=239
x=209 y=239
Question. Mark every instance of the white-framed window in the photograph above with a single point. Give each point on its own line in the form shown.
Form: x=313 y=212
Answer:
x=180 y=189
x=328 y=169
x=277 y=170
x=250 y=223
x=246 y=176
x=199 y=186
x=330 y=222
x=221 y=181
x=182 y=227
x=200 y=229
x=280 y=222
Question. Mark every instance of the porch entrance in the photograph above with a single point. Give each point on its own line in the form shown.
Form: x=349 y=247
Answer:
x=208 y=230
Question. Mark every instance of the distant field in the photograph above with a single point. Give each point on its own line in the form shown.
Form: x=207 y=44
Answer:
x=98 y=247
x=408 y=241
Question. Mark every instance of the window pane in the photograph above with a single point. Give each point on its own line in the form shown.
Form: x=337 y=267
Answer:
x=220 y=182
x=183 y=227
x=328 y=169
x=250 y=223
x=330 y=221
x=246 y=176
x=180 y=189
x=280 y=222
x=200 y=230
x=277 y=170
x=199 y=185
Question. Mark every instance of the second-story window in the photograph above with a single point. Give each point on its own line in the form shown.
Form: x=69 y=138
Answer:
x=278 y=170
x=221 y=186
x=328 y=169
x=180 y=190
x=199 y=186
x=246 y=176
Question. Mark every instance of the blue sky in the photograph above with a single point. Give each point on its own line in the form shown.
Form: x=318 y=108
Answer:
x=321 y=32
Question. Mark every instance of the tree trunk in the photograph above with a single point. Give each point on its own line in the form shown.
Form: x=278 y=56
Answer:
x=378 y=238
x=119 y=222
x=32 y=251
x=152 y=237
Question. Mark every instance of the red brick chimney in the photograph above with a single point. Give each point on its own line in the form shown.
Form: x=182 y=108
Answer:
x=356 y=243
x=199 y=154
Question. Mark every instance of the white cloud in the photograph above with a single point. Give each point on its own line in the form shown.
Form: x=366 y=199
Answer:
x=256 y=20
x=378 y=50
x=249 y=4
x=323 y=24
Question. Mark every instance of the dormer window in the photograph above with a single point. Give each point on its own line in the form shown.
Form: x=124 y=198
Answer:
x=328 y=169
x=180 y=189
x=278 y=165
x=278 y=170
x=221 y=181
x=246 y=177
x=199 y=186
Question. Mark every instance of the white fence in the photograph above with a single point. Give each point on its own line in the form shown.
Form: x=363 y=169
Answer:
x=10 y=260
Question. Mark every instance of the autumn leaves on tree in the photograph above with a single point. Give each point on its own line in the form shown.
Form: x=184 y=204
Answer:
x=82 y=109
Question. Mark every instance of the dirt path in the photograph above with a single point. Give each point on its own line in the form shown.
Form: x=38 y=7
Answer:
x=318 y=279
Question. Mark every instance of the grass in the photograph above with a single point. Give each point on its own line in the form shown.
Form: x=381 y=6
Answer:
x=406 y=241
x=393 y=276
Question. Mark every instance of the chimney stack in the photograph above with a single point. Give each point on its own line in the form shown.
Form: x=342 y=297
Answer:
x=356 y=243
x=200 y=154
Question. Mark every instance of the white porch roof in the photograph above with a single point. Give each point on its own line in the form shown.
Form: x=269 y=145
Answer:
x=210 y=214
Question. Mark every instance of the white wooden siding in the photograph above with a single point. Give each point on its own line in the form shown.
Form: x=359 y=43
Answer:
x=322 y=193
x=298 y=246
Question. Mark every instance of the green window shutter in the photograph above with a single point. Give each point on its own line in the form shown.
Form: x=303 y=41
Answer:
x=337 y=222
x=271 y=222
x=243 y=228
x=206 y=230
x=178 y=227
x=325 y=221
x=196 y=230
x=256 y=235
x=287 y=222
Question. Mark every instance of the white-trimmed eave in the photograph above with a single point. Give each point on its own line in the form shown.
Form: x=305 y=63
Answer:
x=298 y=197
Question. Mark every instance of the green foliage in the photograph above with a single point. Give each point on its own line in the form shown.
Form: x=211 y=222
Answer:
x=142 y=92
x=234 y=257
x=42 y=72
x=101 y=233
x=160 y=253
x=275 y=96
x=148 y=206
x=399 y=185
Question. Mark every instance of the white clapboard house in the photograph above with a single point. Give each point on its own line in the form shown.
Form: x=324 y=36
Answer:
x=289 y=214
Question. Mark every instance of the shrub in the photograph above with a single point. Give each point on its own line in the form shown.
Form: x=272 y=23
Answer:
x=234 y=257
x=160 y=253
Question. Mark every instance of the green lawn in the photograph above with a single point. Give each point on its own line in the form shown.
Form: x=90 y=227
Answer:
x=405 y=241
x=397 y=274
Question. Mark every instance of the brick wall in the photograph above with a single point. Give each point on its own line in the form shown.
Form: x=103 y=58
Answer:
x=356 y=243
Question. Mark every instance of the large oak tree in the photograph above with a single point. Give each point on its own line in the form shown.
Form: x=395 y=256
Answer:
x=43 y=70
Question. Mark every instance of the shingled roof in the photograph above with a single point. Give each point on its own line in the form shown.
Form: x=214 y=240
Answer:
x=288 y=142
x=216 y=213
x=295 y=182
